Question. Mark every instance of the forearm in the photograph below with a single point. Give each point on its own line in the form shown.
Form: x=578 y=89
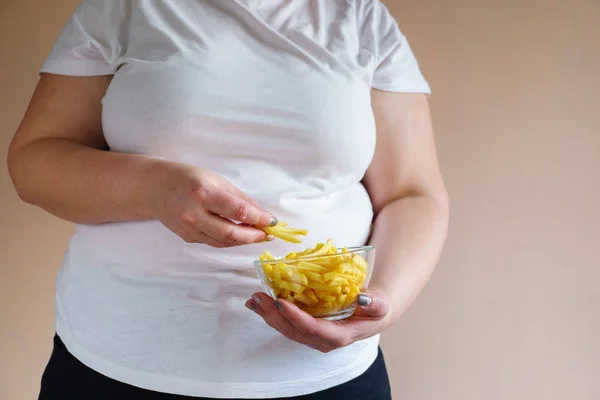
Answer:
x=409 y=234
x=85 y=185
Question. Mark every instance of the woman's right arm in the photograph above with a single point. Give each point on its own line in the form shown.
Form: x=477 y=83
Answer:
x=58 y=158
x=59 y=161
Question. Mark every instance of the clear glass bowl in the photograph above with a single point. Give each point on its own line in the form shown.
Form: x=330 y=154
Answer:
x=324 y=286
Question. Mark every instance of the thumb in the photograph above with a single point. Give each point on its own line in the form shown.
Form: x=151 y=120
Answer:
x=371 y=304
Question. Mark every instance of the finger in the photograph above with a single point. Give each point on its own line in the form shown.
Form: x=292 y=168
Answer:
x=263 y=305
x=226 y=231
x=190 y=234
x=302 y=321
x=239 y=193
x=371 y=304
x=279 y=325
x=269 y=238
x=233 y=207
x=205 y=239
x=321 y=331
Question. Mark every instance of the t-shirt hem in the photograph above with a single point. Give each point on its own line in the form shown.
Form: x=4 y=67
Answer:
x=77 y=68
x=249 y=390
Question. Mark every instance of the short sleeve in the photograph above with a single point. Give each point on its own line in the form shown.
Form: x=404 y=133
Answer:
x=87 y=44
x=396 y=68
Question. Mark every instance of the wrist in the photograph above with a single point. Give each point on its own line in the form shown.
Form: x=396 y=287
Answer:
x=159 y=177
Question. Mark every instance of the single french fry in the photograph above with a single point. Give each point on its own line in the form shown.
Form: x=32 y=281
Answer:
x=294 y=287
x=350 y=278
x=324 y=287
x=344 y=267
x=329 y=298
x=277 y=275
x=360 y=263
x=309 y=266
x=314 y=276
x=338 y=281
x=322 y=249
x=298 y=277
x=330 y=275
x=302 y=298
x=329 y=305
x=321 y=295
x=266 y=256
x=268 y=272
x=302 y=232
x=310 y=293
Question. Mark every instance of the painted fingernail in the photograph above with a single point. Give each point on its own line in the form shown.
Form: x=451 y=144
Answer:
x=278 y=305
x=364 y=300
x=251 y=306
x=274 y=221
x=270 y=238
x=256 y=299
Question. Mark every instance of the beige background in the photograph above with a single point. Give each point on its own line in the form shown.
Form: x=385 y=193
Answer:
x=513 y=310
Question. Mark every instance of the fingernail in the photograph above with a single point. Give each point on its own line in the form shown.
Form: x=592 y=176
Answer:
x=364 y=300
x=251 y=306
x=274 y=221
x=278 y=305
x=256 y=299
x=270 y=238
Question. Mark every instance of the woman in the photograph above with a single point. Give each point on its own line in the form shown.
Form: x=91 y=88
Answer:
x=167 y=131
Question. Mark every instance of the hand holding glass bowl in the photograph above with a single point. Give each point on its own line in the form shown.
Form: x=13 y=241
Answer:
x=324 y=281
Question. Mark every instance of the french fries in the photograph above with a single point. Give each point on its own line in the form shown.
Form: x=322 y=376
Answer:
x=282 y=232
x=321 y=286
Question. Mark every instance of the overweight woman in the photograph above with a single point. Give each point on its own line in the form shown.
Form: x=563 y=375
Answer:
x=168 y=131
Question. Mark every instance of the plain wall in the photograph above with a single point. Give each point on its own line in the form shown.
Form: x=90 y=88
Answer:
x=513 y=310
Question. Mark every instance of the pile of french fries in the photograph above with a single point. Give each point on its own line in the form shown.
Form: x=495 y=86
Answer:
x=320 y=286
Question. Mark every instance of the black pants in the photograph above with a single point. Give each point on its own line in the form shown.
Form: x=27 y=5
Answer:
x=66 y=378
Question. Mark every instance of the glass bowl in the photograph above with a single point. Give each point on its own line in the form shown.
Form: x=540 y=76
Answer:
x=324 y=286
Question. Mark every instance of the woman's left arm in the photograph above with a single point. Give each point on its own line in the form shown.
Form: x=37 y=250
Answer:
x=409 y=199
x=411 y=218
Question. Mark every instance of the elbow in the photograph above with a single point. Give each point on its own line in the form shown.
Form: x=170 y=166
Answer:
x=443 y=200
x=15 y=170
x=24 y=195
x=440 y=201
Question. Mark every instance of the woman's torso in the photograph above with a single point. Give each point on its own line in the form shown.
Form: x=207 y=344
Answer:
x=275 y=97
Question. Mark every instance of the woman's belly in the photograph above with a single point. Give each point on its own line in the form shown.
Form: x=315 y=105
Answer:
x=139 y=296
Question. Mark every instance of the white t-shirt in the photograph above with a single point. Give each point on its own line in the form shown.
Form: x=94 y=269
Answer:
x=273 y=95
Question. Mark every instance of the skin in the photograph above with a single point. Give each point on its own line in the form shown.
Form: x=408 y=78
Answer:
x=411 y=219
x=58 y=160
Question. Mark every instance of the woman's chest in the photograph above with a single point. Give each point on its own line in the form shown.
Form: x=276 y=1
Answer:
x=241 y=93
x=202 y=113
